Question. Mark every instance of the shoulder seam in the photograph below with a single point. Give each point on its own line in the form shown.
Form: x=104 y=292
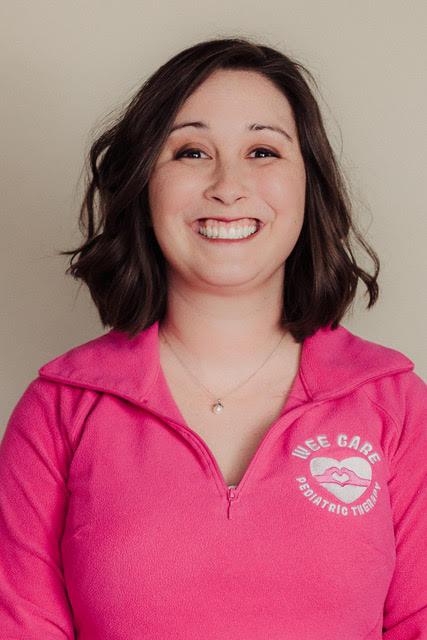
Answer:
x=83 y=410
x=82 y=413
x=384 y=410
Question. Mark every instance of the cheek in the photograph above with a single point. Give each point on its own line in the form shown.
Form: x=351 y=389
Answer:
x=168 y=192
x=283 y=189
x=158 y=194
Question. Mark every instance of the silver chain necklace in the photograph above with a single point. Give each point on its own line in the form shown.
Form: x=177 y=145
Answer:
x=218 y=406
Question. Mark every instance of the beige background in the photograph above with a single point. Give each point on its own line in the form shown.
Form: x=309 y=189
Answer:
x=67 y=63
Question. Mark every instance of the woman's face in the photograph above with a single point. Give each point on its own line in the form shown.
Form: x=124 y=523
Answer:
x=231 y=164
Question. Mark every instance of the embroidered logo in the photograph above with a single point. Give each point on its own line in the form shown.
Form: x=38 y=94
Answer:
x=347 y=479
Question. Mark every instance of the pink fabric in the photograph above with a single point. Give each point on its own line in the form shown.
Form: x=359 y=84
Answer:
x=117 y=524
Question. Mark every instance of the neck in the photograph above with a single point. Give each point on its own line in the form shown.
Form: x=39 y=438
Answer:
x=221 y=334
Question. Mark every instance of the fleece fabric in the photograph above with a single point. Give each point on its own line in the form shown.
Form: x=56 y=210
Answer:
x=117 y=524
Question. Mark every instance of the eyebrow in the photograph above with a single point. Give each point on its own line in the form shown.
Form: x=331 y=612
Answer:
x=251 y=127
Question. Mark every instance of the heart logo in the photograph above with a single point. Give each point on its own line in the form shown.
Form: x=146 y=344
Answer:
x=346 y=479
x=341 y=478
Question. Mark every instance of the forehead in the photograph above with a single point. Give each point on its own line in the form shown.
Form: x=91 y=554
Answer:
x=246 y=93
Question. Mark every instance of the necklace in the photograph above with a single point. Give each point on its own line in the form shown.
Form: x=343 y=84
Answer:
x=218 y=406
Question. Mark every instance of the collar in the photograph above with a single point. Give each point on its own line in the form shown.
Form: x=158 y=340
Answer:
x=333 y=363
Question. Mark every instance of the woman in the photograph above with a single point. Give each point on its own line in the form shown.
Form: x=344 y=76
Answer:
x=228 y=461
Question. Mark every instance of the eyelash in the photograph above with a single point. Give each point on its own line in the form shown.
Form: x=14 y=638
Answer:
x=181 y=153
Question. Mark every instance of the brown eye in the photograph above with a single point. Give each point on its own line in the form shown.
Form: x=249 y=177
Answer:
x=190 y=153
x=264 y=153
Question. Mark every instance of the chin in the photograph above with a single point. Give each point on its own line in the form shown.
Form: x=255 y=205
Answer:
x=225 y=279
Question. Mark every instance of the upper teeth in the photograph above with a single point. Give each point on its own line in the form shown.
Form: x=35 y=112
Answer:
x=232 y=230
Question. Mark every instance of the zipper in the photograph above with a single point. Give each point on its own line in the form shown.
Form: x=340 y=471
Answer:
x=231 y=495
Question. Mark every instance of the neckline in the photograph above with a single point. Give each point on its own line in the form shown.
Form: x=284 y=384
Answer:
x=161 y=394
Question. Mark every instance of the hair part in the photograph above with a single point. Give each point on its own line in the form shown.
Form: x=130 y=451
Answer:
x=120 y=259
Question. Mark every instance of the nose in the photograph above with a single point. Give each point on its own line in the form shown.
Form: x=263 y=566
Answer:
x=227 y=185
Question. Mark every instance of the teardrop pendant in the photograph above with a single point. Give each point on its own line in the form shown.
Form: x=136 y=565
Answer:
x=217 y=407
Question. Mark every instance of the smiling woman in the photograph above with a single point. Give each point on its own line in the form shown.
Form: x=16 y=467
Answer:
x=228 y=461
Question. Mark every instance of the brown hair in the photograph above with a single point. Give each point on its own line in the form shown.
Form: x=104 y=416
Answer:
x=121 y=261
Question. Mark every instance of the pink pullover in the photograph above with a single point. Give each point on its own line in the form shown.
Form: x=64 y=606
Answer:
x=116 y=522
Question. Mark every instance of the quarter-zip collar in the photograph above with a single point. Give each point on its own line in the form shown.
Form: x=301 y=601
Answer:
x=333 y=362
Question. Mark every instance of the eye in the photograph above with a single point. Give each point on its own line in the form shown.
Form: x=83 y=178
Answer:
x=190 y=153
x=265 y=153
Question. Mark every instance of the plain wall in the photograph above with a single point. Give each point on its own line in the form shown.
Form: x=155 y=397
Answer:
x=67 y=64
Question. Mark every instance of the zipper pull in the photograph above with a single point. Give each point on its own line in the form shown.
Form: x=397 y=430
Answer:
x=231 y=497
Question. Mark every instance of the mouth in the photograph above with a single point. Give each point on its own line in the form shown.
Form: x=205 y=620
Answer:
x=226 y=230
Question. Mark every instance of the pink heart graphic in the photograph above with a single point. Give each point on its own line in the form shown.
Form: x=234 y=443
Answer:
x=346 y=479
x=340 y=477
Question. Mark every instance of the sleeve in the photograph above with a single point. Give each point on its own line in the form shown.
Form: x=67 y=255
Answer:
x=405 y=611
x=34 y=461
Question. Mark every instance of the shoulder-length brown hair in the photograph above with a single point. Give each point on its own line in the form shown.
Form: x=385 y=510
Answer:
x=120 y=259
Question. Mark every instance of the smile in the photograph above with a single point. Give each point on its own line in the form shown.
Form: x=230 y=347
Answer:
x=240 y=229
